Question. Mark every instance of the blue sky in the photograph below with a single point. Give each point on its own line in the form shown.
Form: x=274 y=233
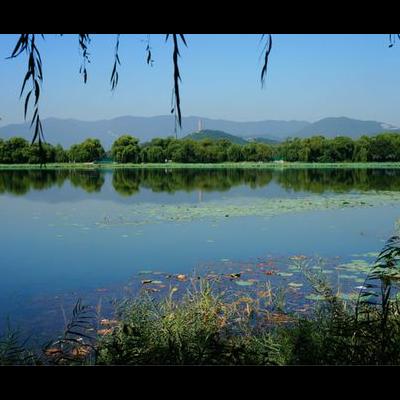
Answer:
x=310 y=77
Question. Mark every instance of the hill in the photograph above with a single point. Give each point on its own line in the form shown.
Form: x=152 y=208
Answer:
x=215 y=135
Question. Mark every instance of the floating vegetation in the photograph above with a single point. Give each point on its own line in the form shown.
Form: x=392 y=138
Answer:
x=146 y=213
x=347 y=276
x=244 y=283
x=285 y=274
x=295 y=284
x=355 y=266
x=371 y=254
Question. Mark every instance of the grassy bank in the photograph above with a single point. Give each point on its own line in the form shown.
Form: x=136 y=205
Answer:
x=240 y=165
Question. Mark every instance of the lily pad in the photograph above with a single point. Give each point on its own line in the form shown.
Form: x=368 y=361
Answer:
x=348 y=277
x=285 y=273
x=295 y=285
x=244 y=283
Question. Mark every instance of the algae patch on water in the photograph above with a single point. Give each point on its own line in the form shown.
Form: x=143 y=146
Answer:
x=218 y=210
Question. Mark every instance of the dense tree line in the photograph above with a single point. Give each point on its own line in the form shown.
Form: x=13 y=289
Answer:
x=17 y=150
x=382 y=147
x=126 y=149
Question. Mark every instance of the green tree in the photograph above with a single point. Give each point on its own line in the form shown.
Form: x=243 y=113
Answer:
x=3 y=154
x=126 y=149
x=340 y=149
x=153 y=154
x=385 y=147
x=15 y=150
x=234 y=153
x=61 y=155
x=88 y=151
x=362 y=149
x=35 y=154
x=318 y=147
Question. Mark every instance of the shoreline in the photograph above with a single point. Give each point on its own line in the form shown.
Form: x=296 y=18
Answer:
x=237 y=165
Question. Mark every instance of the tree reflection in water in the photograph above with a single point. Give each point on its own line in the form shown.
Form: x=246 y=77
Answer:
x=127 y=182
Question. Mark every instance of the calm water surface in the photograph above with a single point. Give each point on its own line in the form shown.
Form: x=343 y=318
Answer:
x=84 y=232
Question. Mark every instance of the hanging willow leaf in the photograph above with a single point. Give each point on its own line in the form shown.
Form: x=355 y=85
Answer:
x=27 y=76
x=114 y=73
x=26 y=102
x=21 y=45
x=392 y=38
x=149 y=59
x=34 y=117
x=183 y=39
x=177 y=78
x=34 y=75
x=84 y=40
x=266 y=51
x=37 y=92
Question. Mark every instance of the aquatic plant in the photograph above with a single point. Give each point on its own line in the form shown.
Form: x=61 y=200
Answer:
x=199 y=329
x=77 y=343
x=13 y=350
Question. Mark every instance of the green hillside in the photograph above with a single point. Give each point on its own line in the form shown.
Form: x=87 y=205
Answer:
x=215 y=135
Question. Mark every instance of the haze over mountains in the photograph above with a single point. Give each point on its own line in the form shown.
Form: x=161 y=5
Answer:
x=71 y=131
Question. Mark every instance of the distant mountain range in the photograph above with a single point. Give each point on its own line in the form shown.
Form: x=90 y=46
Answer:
x=345 y=127
x=70 y=131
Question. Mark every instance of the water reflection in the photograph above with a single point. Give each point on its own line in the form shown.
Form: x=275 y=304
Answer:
x=127 y=182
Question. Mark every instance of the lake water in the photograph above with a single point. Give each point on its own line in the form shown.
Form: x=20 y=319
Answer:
x=94 y=233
